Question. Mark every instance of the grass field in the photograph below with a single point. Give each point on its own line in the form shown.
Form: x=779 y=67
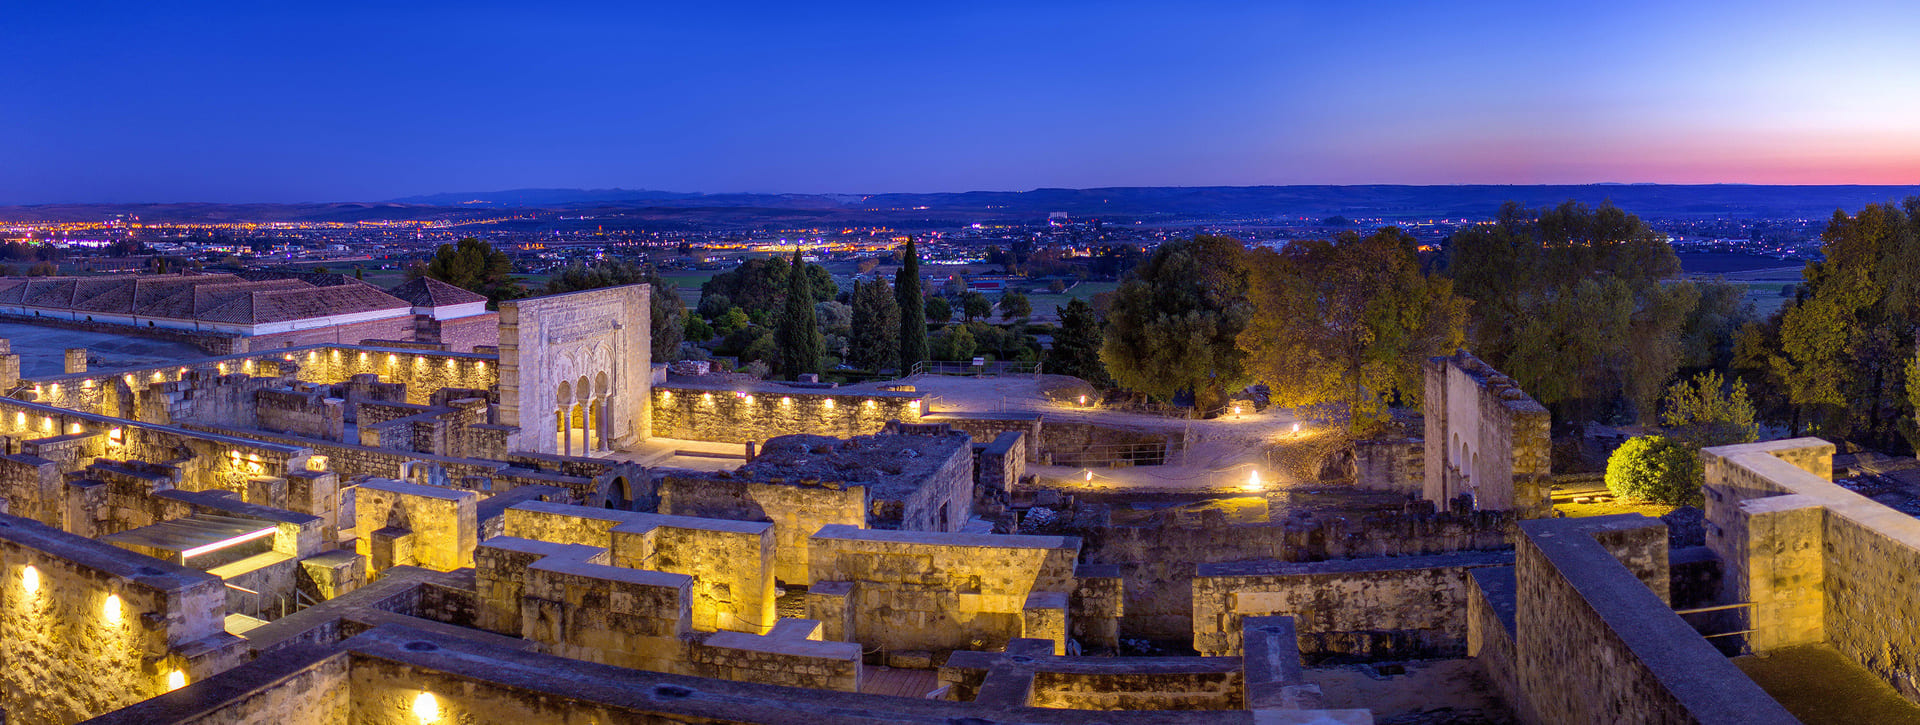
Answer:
x=1044 y=302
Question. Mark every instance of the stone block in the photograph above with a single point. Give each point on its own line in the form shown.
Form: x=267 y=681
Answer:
x=332 y=574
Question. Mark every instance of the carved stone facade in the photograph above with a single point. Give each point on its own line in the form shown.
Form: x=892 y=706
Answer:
x=575 y=370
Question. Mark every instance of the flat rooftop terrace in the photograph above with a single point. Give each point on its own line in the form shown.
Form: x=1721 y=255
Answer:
x=43 y=350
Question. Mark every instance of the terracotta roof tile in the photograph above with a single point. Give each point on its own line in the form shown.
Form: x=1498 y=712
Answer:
x=430 y=292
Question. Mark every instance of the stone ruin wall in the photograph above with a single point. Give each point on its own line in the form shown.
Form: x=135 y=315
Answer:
x=1485 y=436
x=944 y=592
x=1158 y=561
x=1390 y=608
x=731 y=562
x=1397 y=465
x=586 y=603
x=739 y=416
x=405 y=524
x=796 y=510
x=597 y=339
x=1812 y=556
x=52 y=444
x=102 y=628
x=309 y=414
x=1594 y=643
x=422 y=371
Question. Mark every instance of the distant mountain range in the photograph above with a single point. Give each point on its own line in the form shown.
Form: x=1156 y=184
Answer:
x=1172 y=204
x=1235 y=201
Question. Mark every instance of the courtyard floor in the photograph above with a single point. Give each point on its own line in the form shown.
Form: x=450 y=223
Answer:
x=1819 y=686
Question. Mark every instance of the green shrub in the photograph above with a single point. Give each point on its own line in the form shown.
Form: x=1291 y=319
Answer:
x=1655 y=469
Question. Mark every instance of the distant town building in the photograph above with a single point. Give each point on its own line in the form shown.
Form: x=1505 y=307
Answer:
x=232 y=313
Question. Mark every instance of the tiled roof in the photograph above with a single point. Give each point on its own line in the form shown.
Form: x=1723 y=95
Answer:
x=430 y=292
x=205 y=297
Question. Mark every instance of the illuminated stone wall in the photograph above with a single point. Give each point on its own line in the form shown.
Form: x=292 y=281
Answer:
x=425 y=526
x=86 y=628
x=73 y=442
x=583 y=355
x=1819 y=563
x=941 y=591
x=1485 y=436
x=766 y=411
x=731 y=562
x=796 y=509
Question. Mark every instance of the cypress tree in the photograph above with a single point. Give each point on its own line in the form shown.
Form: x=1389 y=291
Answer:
x=913 y=312
x=798 y=335
x=876 y=326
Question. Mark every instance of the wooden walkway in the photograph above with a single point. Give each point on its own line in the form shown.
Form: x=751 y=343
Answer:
x=898 y=682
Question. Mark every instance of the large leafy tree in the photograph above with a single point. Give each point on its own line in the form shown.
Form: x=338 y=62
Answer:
x=1015 y=306
x=1174 y=324
x=1843 y=346
x=1076 y=346
x=974 y=305
x=876 y=326
x=1349 y=321
x=759 y=286
x=1573 y=303
x=472 y=265
x=798 y=334
x=913 y=313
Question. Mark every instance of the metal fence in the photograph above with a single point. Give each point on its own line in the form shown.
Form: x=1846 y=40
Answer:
x=985 y=368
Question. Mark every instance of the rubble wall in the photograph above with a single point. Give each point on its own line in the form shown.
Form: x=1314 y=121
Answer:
x=942 y=592
x=1384 y=608
x=1158 y=562
x=86 y=628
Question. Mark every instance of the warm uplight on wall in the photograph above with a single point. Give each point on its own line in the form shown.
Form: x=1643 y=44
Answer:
x=30 y=578
x=749 y=399
x=828 y=403
x=666 y=395
x=116 y=436
x=786 y=401
x=223 y=368
x=316 y=463
x=426 y=707
x=176 y=680
x=871 y=404
x=1296 y=427
x=110 y=610
x=1253 y=482
x=1236 y=410
x=73 y=429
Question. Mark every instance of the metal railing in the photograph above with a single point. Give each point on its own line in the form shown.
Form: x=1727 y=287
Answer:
x=986 y=368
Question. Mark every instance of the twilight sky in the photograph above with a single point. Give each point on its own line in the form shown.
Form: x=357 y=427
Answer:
x=322 y=101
